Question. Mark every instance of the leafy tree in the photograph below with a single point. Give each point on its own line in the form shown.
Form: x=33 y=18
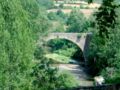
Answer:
x=104 y=39
x=112 y=71
x=77 y=22
x=106 y=17
x=45 y=76
x=39 y=22
x=16 y=45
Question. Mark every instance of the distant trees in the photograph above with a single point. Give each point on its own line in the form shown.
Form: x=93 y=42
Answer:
x=46 y=3
x=77 y=22
x=52 y=16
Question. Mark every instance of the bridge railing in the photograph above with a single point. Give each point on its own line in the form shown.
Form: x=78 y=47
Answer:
x=102 y=87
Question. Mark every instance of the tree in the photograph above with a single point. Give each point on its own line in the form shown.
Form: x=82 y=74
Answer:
x=39 y=22
x=106 y=17
x=45 y=76
x=16 y=45
x=112 y=71
x=77 y=22
x=105 y=38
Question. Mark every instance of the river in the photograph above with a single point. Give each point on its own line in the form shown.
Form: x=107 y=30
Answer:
x=78 y=72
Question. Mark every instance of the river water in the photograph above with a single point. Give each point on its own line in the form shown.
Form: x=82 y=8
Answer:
x=78 y=72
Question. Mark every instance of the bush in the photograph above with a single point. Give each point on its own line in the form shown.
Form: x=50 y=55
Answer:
x=67 y=52
x=111 y=75
x=68 y=80
x=52 y=16
x=45 y=77
x=77 y=22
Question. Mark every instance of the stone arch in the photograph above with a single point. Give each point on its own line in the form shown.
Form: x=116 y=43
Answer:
x=82 y=40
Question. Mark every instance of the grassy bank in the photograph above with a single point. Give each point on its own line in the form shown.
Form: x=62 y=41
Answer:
x=56 y=58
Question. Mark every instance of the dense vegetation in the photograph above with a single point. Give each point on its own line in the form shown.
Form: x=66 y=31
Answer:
x=15 y=43
x=104 y=48
x=25 y=65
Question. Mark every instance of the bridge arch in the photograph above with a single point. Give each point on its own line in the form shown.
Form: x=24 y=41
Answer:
x=82 y=40
x=69 y=40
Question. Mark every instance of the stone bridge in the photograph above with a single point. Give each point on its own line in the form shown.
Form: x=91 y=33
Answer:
x=82 y=40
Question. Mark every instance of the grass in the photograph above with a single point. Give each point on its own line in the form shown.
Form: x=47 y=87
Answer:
x=68 y=79
x=57 y=58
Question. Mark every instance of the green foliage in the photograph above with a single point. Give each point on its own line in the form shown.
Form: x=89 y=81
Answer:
x=58 y=27
x=57 y=44
x=61 y=5
x=39 y=22
x=31 y=7
x=112 y=75
x=39 y=52
x=66 y=52
x=21 y=21
x=46 y=3
x=106 y=18
x=62 y=47
x=52 y=16
x=58 y=20
x=57 y=16
x=113 y=70
x=46 y=77
x=68 y=80
x=16 y=46
x=105 y=52
x=96 y=63
x=61 y=14
x=57 y=58
x=77 y=22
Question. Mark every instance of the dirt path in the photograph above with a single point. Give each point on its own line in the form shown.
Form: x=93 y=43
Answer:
x=78 y=72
